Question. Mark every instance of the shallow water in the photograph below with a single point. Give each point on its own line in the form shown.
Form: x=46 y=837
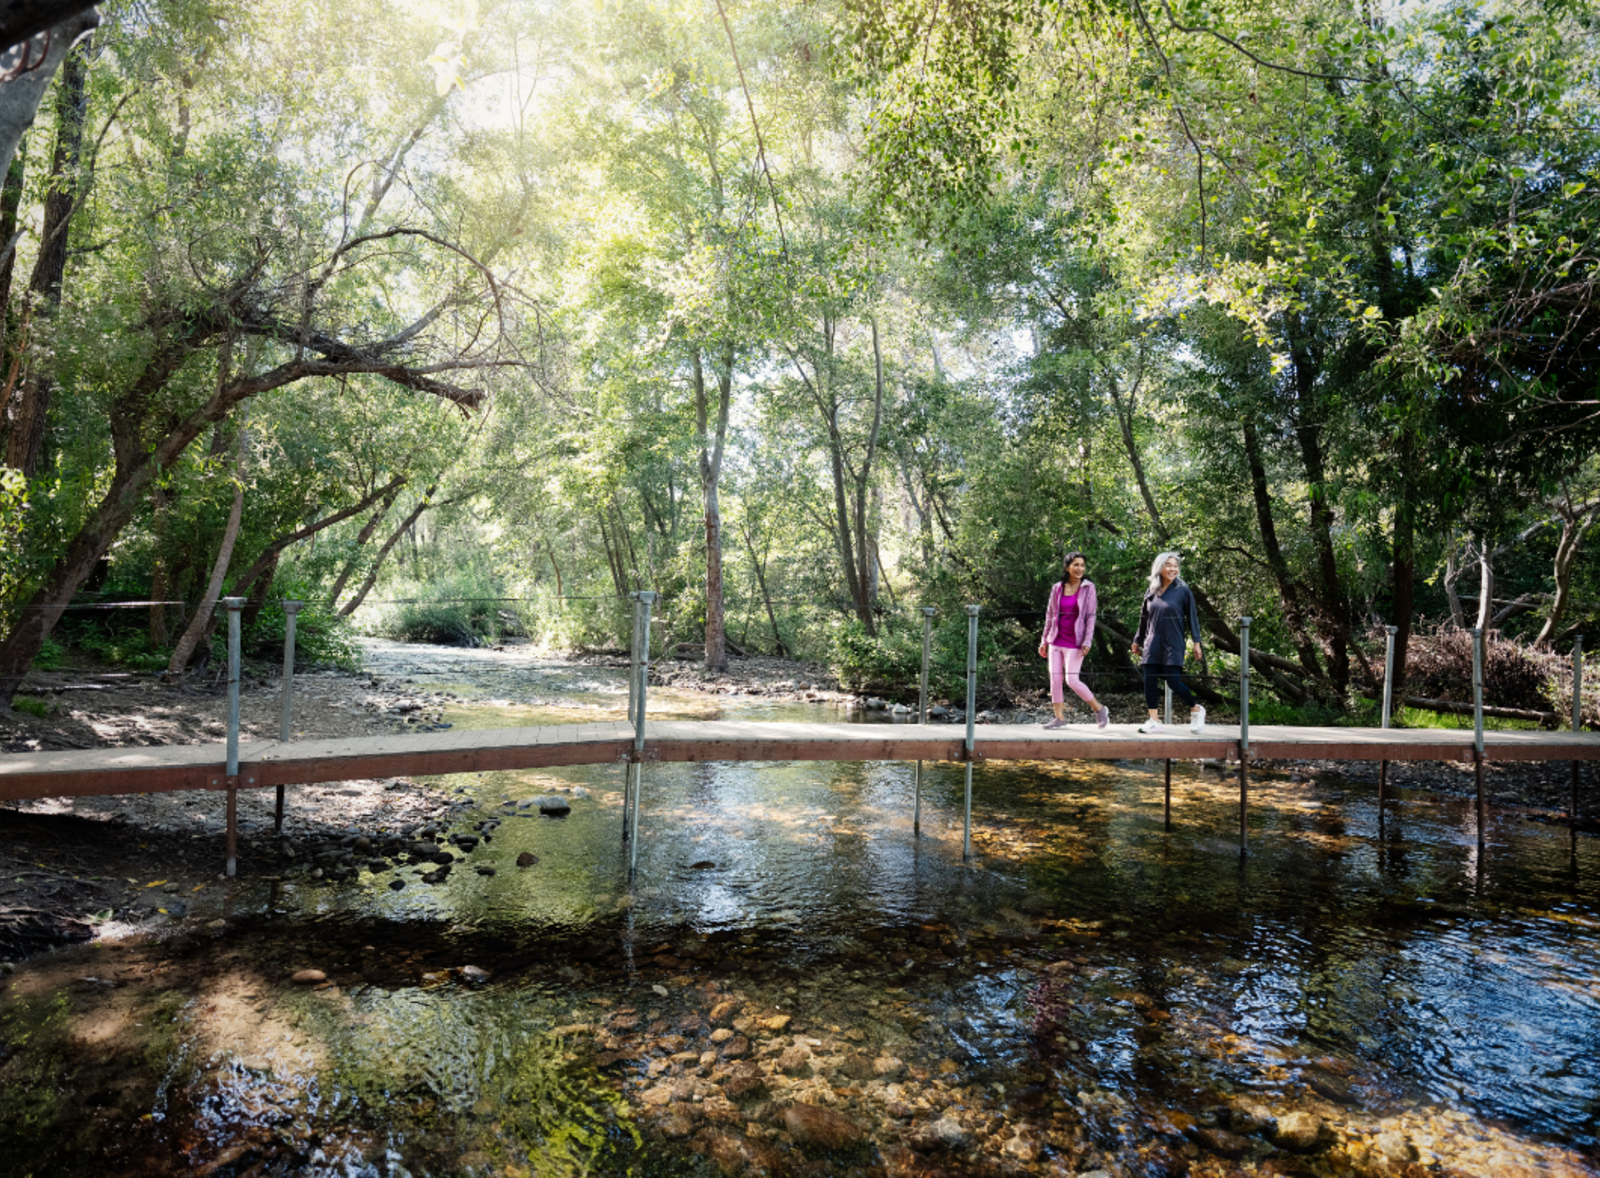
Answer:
x=1090 y=991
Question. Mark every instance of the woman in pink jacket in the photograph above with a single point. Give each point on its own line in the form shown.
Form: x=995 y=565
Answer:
x=1068 y=630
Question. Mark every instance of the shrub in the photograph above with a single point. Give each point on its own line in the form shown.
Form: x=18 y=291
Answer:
x=1439 y=666
x=34 y=707
x=321 y=637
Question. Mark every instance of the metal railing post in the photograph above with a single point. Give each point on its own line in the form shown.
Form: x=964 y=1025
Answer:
x=972 y=719
x=1477 y=725
x=647 y=601
x=922 y=712
x=290 y=610
x=1244 y=734
x=233 y=605
x=1167 y=775
x=1577 y=716
x=630 y=771
x=1388 y=704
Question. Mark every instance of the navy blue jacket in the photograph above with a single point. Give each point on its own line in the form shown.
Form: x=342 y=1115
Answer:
x=1163 y=621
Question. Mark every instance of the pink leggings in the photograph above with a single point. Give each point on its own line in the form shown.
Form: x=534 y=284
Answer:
x=1068 y=659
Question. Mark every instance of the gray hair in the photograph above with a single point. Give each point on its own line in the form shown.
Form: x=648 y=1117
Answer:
x=1155 y=568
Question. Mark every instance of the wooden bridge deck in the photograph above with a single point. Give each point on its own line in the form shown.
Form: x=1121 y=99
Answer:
x=272 y=763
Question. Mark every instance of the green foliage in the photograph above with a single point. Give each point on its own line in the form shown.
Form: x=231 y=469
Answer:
x=51 y=655
x=461 y=607
x=321 y=637
x=33 y=706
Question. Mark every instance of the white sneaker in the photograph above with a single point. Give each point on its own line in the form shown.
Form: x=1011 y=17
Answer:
x=1150 y=726
x=1197 y=719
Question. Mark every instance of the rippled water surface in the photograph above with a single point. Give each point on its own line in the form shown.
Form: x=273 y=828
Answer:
x=1090 y=992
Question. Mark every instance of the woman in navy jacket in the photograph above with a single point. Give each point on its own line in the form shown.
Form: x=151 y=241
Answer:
x=1068 y=629
x=1167 y=615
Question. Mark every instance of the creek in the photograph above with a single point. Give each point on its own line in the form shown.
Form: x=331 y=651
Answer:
x=1091 y=993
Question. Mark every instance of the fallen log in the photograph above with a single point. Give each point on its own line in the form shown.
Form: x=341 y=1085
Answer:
x=1451 y=707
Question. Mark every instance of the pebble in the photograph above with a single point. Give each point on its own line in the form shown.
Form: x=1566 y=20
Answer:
x=527 y=859
x=473 y=974
x=945 y=1133
x=308 y=977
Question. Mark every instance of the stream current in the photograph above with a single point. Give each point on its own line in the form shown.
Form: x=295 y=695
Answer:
x=1091 y=993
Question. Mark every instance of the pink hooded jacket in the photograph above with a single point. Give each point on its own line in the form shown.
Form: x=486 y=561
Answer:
x=1088 y=604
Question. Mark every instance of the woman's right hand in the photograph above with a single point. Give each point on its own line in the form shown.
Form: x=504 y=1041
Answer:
x=1138 y=651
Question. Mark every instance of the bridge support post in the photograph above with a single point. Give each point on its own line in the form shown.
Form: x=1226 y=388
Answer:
x=290 y=609
x=646 y=602
x=233 y=605
x=1388 y=700
x=1577 y=718
x=1244 y=735
x=922 y=714
x=630 y=770
x=1477 y=730
x=1167 y=719
x=972 y=719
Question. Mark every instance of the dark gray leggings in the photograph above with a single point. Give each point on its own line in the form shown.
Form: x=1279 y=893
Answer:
x=1154 y=673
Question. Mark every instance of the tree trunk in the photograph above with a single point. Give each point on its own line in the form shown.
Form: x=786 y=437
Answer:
x=388 y=546
x=1485 y=584
x=10 y=202
x=1405 y=569
x=30 y=404
x=1573 y=526
x=366 y=533
x=712 y=441
x=866 y=550
x=20 y=97
x=759 y=567
x=266 y=564
x=199 y=624
x=1294 y=614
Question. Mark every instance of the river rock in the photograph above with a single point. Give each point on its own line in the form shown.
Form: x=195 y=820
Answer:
x=722 y=1013
x=744 y=1082
x=484 y=869
x=1299 y=1131
x=554 y=805
x=1250 y=1119
x=1394 y=1146
x=308 y=977
x=476 y=975
x=1220 y=1141
x=527 y=859
x=397 y=884
x=677 y=1123
x=820 y=1128
x=736 y=1048
x=945 y=1133
x=773 y=1023
x=721 y=1035
x=794 y=1060
x=887 y=1067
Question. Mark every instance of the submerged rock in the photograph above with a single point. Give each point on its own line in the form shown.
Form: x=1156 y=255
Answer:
x=308 y=977
x=820 y=1128
x=1299 y=1131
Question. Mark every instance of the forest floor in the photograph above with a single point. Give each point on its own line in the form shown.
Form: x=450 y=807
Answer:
x=71 y=865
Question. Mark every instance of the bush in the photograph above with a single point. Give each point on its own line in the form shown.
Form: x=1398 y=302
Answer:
x=890 y=662
x=321 y=637
x=465 y=608
x=1439 y=666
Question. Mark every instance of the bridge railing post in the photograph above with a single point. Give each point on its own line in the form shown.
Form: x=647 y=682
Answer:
x=972 y=719
x=1244 y=734
x=1577 y=716
x=233 y=605
x=630 y=770
x=1477 y=726
x=1388 y=704
x=647 y=601
x=922 y=712
x=1167 y=775
x=290 y=610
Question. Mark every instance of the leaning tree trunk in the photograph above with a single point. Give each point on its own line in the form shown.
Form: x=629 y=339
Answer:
x=201 y=622
x=354 y=603
x=28 y=407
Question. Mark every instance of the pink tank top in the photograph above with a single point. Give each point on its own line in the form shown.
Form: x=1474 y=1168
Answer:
x=1067 y=622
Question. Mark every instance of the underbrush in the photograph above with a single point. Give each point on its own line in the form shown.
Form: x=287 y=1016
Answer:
x=465 y=608
x=889 y=663
x=321 y=637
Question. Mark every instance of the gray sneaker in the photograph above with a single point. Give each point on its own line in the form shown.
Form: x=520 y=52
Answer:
x=1103 y=716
